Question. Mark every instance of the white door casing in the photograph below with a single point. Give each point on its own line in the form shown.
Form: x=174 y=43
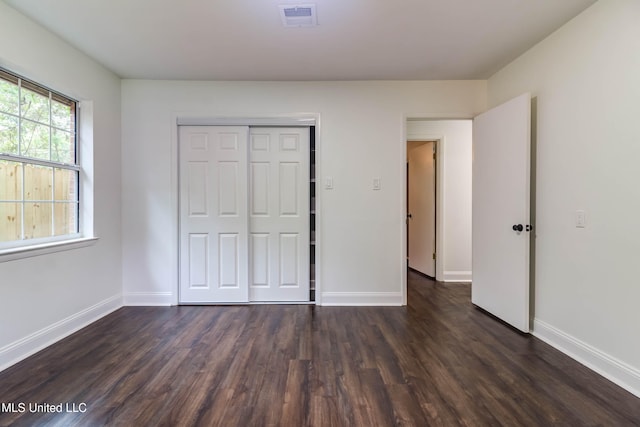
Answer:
x=213 y=214
x=279 y=214
x=501 y=190
x=422 y=207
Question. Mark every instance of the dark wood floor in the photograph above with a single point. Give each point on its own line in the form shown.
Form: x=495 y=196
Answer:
x=438 y=361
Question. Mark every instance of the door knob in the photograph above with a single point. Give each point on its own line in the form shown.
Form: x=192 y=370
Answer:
x=518 y=227
x=409 y=216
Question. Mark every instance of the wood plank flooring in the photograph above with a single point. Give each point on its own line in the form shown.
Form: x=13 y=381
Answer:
x=437 y=362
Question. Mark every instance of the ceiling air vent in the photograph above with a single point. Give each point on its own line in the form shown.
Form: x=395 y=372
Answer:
x=301 y=15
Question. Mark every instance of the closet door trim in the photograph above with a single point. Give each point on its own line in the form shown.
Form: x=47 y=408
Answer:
x=303 y=120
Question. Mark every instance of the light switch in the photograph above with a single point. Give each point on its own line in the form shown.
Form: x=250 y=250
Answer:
x=328 y=183
x=581 y=219
x=376 y=183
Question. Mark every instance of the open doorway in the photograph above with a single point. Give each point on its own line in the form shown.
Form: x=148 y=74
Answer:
x=421 y=207
x=453 y=170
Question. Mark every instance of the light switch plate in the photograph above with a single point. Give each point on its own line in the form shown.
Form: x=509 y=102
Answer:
x=376 y=183
x=328 y=183
x=581 y=219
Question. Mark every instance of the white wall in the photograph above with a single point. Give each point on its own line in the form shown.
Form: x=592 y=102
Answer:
x=586 y=78
x=362 y=136
x=454 y=212
x=44 y=297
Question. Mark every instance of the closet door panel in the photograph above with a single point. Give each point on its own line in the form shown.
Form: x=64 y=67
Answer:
x=198 y=260
x=260 y=188
x=213 y=214
x=279 y=160
x=289 y=260
x=260 y=259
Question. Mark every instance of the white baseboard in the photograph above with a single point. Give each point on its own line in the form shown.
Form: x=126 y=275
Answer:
x=31 y=344
x=148 y=298
x=614 y=370
x=456 y=276
x=362 y=298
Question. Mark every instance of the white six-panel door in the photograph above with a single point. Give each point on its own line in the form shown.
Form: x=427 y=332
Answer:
x=244 y=214
x=213 y=214
x=279 y=214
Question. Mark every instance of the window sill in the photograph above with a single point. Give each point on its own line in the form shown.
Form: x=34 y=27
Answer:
x=45 y=248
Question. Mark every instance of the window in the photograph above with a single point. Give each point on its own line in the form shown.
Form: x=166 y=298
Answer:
x=39 y=170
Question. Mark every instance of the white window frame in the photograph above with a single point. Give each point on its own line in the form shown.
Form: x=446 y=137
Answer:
x=23 y=248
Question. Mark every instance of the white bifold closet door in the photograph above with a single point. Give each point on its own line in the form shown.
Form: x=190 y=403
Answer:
x=244 y=214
